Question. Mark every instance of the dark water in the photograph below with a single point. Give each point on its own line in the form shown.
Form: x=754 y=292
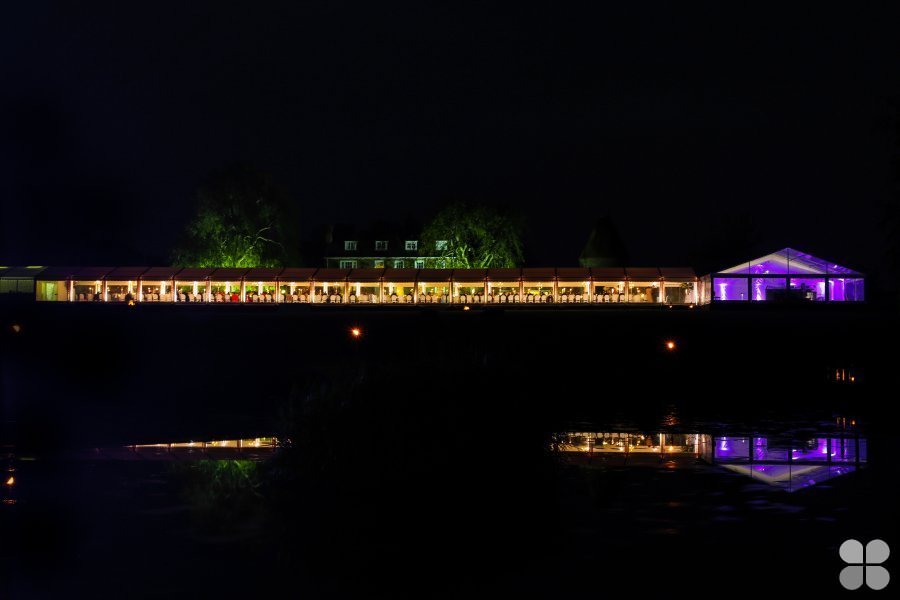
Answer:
x=419 y=462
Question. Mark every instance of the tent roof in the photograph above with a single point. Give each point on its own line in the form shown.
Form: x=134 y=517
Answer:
x=504 y=274
x=263 y=273
x=609 y=273
x=57 y=273
x=327 y=275
x=469 y=274
x=573 y=273
x=297 y=274
x=400 y=274
x=91 y=273
x=228 y=274
x=366 y=275
x=159 y=273
x=126 y=273
x=435 y=275
x=642 y=272
x=21 y=272
x=678 y=272
x=194 y=273
x=788 y=261
x=538 y=273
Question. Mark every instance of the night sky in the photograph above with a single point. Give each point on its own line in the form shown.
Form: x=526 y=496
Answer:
x=680 y=122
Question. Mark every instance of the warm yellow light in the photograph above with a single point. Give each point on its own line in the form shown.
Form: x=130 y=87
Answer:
x=11 y=480
x=356 y=332
x=465 y=308
x=852 y=378
x=670 y=345
x=17 y=328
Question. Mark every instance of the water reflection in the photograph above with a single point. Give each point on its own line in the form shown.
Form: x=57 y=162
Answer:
x=249 y=448
x=791 y=477
x=789 y=461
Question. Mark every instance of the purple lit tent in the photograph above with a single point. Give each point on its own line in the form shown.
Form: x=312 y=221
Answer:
x=784 y=275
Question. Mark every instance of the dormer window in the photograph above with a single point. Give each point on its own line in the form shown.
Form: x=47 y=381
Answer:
x=381 y=245
x=412 y=245
x=350 y=245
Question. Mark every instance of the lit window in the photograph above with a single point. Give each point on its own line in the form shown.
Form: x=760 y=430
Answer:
x=379 y=264
x=381 y=245
x=440 y=245
x=350 y=245
x=420 y=264
x=412 y=245
x=398 y=264
x=348 y=264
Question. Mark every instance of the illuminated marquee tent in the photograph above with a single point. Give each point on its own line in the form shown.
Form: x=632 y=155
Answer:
x=787 y=274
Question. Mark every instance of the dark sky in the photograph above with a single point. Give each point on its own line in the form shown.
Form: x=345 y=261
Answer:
x=679 y=121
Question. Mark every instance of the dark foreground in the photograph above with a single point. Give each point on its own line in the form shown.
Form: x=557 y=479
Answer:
x=419 y=463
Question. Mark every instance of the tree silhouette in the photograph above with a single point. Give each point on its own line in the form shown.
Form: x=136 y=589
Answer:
x=240 y=222
x=474 y=236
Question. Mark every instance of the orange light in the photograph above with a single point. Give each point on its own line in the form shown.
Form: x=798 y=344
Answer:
x=852 y=379
x=466 y=308
x=670 y=345
x=11 y=480
x=356 y=332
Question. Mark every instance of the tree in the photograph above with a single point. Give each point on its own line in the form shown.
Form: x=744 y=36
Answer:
x=467 y=236
x=241 y=221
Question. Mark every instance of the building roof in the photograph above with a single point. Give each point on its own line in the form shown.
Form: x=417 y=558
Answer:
x=394 y=233
x=604 y=246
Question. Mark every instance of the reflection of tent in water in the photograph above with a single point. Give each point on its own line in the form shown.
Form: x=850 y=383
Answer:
x=604 y=247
